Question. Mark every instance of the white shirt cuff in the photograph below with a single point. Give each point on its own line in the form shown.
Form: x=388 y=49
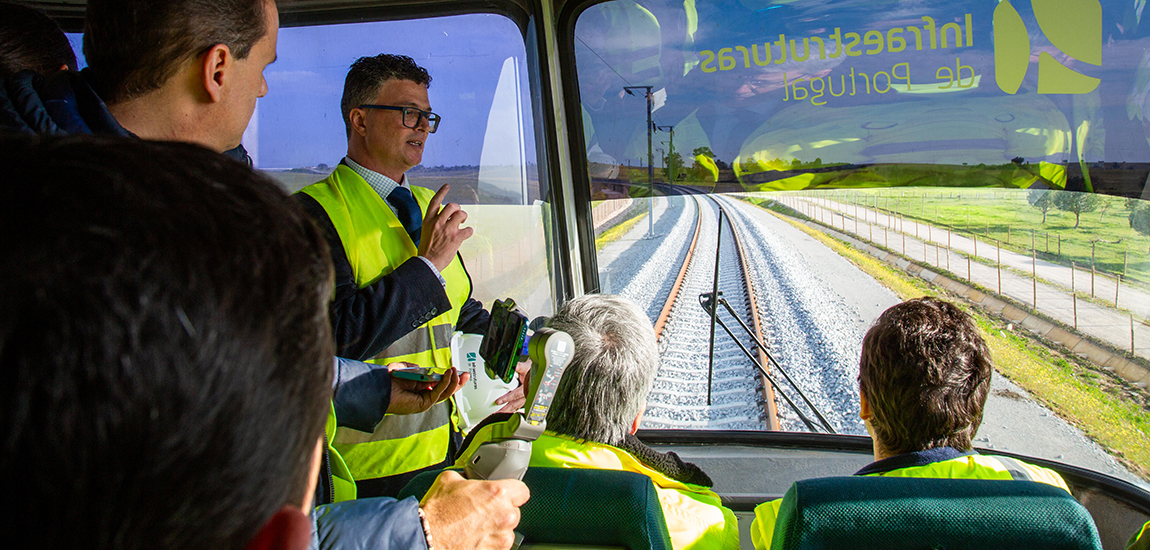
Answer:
x=434 y=270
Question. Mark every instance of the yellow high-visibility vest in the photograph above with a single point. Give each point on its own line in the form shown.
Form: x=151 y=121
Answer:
x=376 y=244
x=342 y=484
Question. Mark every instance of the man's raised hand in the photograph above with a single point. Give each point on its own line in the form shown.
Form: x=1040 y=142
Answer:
x=441 y=234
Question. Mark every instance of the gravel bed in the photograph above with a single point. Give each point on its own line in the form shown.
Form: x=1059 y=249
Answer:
x=679 y=397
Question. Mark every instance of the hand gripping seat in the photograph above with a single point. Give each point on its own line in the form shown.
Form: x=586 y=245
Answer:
x=573 y=506
x=893 y=513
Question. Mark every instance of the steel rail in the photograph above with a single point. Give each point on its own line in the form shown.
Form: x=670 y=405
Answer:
x=768 y=389
x=661 y=322
x=768 y=393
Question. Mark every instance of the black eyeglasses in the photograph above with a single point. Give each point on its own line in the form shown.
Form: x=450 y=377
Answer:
x=412 y=117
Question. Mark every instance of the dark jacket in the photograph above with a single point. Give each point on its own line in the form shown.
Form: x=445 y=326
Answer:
x=63 y=103
x=367 y=320
x=60 y=104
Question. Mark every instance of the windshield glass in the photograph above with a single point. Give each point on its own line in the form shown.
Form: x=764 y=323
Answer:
x=861 y=153
x=484 y=146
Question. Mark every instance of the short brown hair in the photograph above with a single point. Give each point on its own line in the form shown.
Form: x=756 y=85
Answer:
x=925 y=372
x=367 y=74
x=134 y=46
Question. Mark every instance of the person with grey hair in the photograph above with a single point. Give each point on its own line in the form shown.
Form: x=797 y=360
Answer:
x=597 y=410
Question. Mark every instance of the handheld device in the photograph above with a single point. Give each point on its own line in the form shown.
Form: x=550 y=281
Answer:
x=477 y=398
x=509 y=452
x=505 y=342
x=421 y=374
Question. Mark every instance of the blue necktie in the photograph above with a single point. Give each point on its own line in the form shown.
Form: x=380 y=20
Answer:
x=407 y=210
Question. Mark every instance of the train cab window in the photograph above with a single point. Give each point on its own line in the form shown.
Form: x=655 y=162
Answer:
x=484 y=146
x=862 y=153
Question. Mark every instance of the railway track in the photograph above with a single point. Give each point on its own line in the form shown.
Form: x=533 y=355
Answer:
x=741 y=398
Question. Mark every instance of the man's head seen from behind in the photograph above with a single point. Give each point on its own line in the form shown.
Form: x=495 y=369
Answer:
x=199 y=62
x=603 y=392
x=164 y=343
x=924 y=375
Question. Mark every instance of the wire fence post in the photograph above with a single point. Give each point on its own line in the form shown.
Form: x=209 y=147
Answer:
x=975 y=244
x=1034 y=276
x=1116 y=286
x=1132 y=334
x=968 y=269
x=1074 y=293
x=1092 y=273
x=998 y=247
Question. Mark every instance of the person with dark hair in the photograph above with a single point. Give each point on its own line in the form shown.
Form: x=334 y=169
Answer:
x=401 y=291
x=597 y=410
x=179 y=70
x=168 y=376
x=31 y=41
x=924 y=375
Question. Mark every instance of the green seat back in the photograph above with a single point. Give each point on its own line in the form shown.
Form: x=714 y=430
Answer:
x=892 y=513
x=583 y=506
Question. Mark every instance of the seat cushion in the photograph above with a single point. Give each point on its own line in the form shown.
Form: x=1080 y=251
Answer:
x=903 y=513
x=583 y=506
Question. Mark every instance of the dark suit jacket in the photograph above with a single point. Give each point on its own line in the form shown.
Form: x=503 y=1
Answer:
x=367 y=320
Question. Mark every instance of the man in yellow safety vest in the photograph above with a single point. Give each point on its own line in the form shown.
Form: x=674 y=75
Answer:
x=401 y=289
x=923 y=380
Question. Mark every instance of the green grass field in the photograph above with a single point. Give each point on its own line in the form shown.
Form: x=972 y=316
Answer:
x=1106 y=408
x=1006 y=216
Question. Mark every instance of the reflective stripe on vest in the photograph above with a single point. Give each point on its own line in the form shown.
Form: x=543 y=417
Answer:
x=419 y=341
x=411 y=439
x=979 y=466
x=376 y=243
x=1016 y=470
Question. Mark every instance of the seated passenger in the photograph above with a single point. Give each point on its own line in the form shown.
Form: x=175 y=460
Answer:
x=167 y=363
x=923 y=379
x=597 y=409
x=31 y=41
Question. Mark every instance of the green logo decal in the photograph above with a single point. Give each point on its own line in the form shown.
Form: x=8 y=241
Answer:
x=1072 y=26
